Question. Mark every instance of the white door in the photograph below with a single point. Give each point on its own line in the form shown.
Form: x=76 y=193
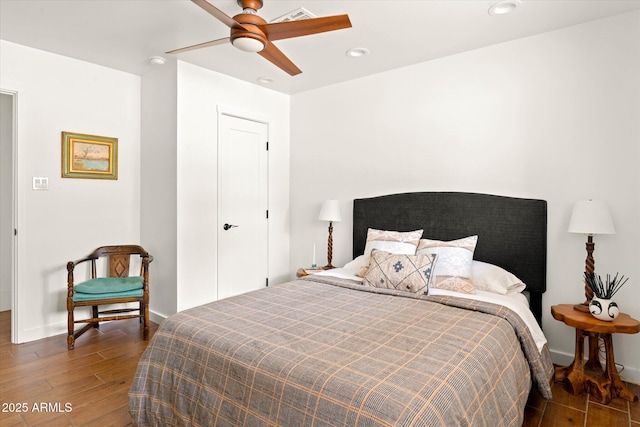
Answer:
x=242 y=205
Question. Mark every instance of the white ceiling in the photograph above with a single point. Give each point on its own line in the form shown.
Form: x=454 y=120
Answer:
x=123 y=34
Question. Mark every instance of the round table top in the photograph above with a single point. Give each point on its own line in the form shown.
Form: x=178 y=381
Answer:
x=623 y=324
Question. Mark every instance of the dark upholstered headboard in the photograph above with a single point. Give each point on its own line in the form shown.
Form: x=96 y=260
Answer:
x=512 y=232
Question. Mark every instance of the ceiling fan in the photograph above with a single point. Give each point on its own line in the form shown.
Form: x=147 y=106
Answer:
x=251 y=33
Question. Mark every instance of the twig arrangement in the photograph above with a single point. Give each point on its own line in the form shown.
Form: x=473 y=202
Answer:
x=605 y=290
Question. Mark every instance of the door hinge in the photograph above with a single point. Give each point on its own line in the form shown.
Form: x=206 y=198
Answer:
x=267 y=145
x=266 y=282
x=267 y=213
x=15 y=231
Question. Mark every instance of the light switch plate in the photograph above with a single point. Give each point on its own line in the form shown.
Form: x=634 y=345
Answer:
x=40 y=183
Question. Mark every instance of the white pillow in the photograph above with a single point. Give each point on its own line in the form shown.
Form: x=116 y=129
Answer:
x=395 y=242
x=489 y=277
x=353 y=267
x=453 y=269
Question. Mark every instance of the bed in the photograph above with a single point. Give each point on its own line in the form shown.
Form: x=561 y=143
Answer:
x=326 y=350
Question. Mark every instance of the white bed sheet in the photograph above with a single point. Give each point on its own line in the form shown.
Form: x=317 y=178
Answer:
x=515 y=301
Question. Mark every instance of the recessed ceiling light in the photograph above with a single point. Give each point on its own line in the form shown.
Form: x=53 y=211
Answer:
x=357 y=52
x=265 y=80
x=504 y=6
x=157 y=60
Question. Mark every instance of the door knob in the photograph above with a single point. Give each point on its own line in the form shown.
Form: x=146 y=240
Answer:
x=228 y=226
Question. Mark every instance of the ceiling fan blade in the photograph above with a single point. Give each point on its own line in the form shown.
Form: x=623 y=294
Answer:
x=201 y=45
x=217 y=13
x=305 y=27
x=274 y=55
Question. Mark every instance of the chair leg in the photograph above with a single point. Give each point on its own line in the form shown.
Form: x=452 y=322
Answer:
x=145 y=309
x=70 y=338
x=95 y=313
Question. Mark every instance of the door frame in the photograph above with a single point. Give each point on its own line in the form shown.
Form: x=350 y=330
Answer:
x=254 y=117
x=15 y=329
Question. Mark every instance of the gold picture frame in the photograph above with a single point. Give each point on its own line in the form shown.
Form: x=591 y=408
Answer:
x=89 y=156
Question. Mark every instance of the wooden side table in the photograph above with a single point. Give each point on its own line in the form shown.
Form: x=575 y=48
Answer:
x=579 y=376
x=305 y=271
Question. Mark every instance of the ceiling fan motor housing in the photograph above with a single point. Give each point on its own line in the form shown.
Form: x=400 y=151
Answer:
x=250 y=4
x=248 y=28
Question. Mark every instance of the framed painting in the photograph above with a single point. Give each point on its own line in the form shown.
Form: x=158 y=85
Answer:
x=89 y=156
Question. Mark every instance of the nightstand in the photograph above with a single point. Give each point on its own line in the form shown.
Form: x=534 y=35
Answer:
x=579 y=376
x=305 y=271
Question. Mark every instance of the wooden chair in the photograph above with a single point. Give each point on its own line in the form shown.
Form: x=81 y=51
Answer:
x=118 y=287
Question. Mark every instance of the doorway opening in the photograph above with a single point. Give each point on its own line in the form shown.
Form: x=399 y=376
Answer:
x=8 y=205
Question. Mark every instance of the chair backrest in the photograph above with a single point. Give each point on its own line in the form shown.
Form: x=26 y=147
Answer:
x=119 y=259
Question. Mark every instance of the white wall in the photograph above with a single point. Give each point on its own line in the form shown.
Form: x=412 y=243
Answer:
x=158 y=207
x=200 y=93
x=179 y=175
x=554 y=116
x=75 y=216
x=171 y=216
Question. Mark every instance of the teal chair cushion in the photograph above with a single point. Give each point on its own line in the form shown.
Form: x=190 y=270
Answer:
x=108 y=287
x=102 y=285
x=80 y=296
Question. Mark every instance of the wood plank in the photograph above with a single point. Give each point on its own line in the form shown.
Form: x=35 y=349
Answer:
x=561 y=416
x=27 y=387
x=634 y=407
x=600 y=415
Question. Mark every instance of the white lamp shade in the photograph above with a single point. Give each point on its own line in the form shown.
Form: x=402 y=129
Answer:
x=330 y=211
x=591 y=217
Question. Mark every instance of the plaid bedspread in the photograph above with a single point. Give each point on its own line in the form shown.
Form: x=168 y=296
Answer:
x=315 y=353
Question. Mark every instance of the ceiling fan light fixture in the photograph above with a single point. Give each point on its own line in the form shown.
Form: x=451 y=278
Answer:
x=504 y=7
x=248 y=44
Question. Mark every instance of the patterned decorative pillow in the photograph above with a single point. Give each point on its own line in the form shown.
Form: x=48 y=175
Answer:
x=396 y=242
x=453 y=271
x=408 y=273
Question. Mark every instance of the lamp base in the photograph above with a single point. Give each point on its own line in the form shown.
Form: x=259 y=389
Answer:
x=584 y=307
x=328 y=267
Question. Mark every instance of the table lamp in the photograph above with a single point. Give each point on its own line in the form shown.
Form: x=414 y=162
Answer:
x=590 y=217
x=330 y=211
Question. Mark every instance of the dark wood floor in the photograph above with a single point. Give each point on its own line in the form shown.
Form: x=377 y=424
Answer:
x=568 y=410
x=95 y=377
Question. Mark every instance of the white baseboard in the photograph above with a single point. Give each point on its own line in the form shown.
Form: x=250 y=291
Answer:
x=43 y=332
x=157 y=317
x=61 y=329
x=629 y=374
